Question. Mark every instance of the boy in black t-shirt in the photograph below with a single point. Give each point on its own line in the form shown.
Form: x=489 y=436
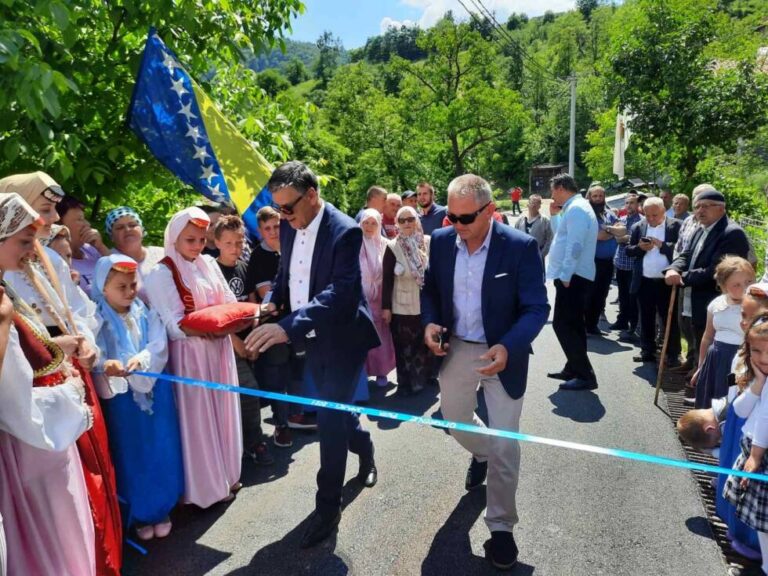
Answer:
x=229 y=236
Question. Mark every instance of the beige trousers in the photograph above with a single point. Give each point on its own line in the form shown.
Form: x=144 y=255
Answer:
x=459 y=382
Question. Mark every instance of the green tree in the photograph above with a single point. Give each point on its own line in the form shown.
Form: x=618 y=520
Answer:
x=671 y=68
x=272 y=82
x=67 y=71
x=296 y=72
x=328 y=58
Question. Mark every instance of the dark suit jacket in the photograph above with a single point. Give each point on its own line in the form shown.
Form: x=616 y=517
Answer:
x=337 y=311
x=514 y=299
x=725 y=238
x=640 y=229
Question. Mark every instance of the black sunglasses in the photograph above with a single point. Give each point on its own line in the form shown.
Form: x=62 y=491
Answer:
x=466 y=219
x=287 y=209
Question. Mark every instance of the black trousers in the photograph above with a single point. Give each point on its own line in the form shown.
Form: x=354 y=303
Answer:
x=568 y=323
x=599 y=292
x=628 y=312
x=654 y=298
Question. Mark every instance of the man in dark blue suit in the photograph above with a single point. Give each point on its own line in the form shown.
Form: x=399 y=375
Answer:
x=482 y=305
x=318 y=287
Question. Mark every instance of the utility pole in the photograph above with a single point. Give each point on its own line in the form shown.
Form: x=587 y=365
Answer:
x=572 y=144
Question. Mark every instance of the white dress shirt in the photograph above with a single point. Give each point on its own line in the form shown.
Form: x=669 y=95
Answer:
x=654 y=261
x=301 y=261
x=468 y=288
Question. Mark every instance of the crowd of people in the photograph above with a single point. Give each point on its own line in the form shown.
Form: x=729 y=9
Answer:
x=450 y=296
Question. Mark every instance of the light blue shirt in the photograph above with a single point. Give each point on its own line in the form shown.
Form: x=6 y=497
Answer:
x=573 y=249
x=467 y=290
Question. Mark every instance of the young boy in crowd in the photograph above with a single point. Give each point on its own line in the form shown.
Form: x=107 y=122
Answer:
x=702 y=428
x=229 y=237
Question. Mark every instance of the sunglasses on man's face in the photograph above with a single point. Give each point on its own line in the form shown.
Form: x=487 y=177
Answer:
x=287 y=209
x=406 y=220
x=466 y=219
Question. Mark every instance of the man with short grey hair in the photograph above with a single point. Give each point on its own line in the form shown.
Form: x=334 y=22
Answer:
x=537 y=225
x=482 y=305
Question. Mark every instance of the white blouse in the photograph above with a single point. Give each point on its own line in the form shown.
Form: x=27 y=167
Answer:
x=726 y=319
x=755 y=409
x=49 y=418
x=164 y=296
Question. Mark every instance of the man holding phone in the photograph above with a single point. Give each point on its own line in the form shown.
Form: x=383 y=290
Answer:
x=482 y=305
x=652 y=243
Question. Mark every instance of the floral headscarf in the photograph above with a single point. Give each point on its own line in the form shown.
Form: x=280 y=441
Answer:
x=15 y=215
x=414 y=247
x=116 y=214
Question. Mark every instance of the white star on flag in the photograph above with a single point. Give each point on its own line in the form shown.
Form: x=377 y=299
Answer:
x=208 y=173
x=200 y=153
x=178 y=87
x=170 y=63
x=193 y=132
x=187 y=111
x=216 y=192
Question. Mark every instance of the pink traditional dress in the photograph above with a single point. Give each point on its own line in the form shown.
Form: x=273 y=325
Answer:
x=380 y=360
x=211 y=435
x=43 y=495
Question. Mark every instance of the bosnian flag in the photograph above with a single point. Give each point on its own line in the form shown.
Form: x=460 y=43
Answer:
x=188 y=134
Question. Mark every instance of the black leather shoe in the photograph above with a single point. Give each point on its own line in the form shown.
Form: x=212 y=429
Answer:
x=560 y=375
x=367 y=475
x=578 y=384
x=501 y=550
x=319 y=529
x=476 y=474
x=644 y=358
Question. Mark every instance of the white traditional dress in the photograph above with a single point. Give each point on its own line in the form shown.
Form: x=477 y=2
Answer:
x=211 y=434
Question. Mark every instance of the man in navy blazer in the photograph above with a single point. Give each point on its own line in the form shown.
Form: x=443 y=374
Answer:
x=482 y=305
x=318 y=286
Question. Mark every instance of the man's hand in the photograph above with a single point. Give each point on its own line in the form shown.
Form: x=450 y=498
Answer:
x=86 y=355
x=673 y=278
x=645 y=246
x=264 y=337
x=498 y=356
x=386 y=315
x=432 y=334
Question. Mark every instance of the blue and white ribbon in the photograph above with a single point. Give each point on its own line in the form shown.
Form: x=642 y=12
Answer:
x=448 y=425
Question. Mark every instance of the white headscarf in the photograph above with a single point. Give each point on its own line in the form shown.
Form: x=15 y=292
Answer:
x=371 y=256
x=15 y=215
x=178 y=222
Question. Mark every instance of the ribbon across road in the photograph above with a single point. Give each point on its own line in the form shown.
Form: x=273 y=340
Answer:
x=461 y=426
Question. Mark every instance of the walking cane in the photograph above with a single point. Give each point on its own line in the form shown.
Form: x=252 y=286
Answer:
x=663 y=361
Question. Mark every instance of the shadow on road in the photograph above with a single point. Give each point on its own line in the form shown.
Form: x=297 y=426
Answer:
x=606 y=346
x=416 y=405
x=451 y=549
x=700 y=526
x=580 y=406
x=287 y=557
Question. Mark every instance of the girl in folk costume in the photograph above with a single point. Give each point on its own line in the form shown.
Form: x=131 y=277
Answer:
x=380 y=361
x=53 y=301
x=405 y=261
x=211 y=435
x=140 y=411
x=43 y=496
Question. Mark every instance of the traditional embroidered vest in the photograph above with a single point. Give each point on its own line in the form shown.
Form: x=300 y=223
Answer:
x=184 y=293
x=43 y=355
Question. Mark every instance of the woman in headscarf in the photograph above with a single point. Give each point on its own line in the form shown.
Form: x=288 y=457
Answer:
x=124 y=226
x=43 y=496
x=56 y=303
x=211 y=435
x=380 y=361
x=405 y=261
x=140 y=411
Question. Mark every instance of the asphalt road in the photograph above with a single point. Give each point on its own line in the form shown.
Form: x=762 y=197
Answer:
x=580 y=514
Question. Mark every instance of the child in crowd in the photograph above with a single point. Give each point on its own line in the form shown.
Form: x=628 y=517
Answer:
x=750 y=497
x=140 y=411
x=211 y=435
x=723 y=334
x=229 y=237
x=702 y=428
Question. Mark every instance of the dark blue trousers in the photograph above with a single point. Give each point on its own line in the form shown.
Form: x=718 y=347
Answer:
x=336 y=374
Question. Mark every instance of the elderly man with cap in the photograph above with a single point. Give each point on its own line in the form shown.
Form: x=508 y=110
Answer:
x=694 y=268
x=410 y=199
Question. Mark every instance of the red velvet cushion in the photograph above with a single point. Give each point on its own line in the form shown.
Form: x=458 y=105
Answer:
x=219 y=318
